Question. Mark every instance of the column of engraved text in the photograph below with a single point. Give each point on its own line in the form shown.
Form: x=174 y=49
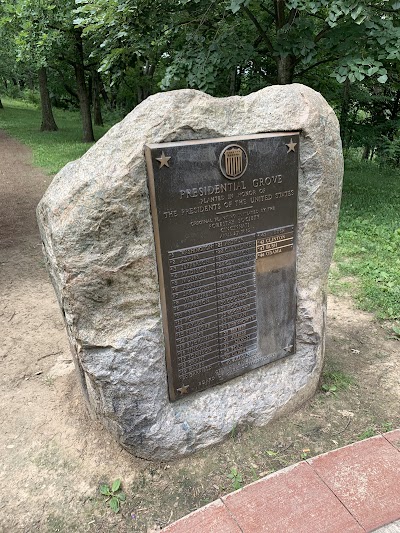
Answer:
x=236 y=292
x=194 y=303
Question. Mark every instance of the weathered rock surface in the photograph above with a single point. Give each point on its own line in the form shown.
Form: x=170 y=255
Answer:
x=98 y=240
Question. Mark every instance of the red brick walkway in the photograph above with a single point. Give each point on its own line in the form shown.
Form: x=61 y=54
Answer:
x=349 y=490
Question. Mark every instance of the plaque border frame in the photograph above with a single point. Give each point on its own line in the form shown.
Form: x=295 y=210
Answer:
x=148 y=147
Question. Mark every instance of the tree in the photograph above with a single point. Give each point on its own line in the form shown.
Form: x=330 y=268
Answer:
x=121 y=51
x=129 y=39
x=45 y=33
x=25 y=20
x=48 y=122
x=284 y=40
x=9 y=72
x=238 y=46
x=78 y=63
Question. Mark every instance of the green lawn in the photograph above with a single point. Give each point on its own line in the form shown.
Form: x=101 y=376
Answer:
x=51 y=150
x=368 y=241
x=367 y=258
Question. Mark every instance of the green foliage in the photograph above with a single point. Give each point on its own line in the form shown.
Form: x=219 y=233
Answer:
x=389 y=151
x=113 y=494
x=206 y=46
x=360 y=34
x=129 y=36
x=271 y=453
x=51 y=150
x=368 y=241
x=31 y=96
x=369 y=432
x=396 y=332
x=33 y=24
x=236 y=478
x=335 y=380
x=234 y=432
x=223 y=48
x=387 y=426
x=379 y=427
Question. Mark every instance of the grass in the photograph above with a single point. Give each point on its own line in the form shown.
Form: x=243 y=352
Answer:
x=335 y=380
x=367 y=259
x=51 y=150
x=368 y=241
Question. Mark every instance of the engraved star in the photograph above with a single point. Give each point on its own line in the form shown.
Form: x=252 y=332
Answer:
x=291 y=146
x=184 y=389
x=163 y=160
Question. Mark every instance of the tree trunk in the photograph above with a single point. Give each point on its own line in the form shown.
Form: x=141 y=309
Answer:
x=235 y=81
x=366 y=153
x=142 y=94
x=83 y=95
x=393 y=115
x=48 y=122
x=285 y=69
x=232 y=88
x=145 y=81
x=31 y=81
x=239 y=80
x=396 y=106
x=97 y=116
x=344 y=113
x=1 y=104
x=84 y=104
x=103 y=92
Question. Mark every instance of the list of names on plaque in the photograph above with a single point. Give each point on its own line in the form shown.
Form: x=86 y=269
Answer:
x=224 y=214
x=214 y=324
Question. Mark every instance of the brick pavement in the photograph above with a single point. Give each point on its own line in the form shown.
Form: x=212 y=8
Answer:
x=353 y=489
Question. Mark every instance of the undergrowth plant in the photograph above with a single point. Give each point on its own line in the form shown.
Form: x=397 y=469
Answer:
x=335 y=380
x=114 y=495
x=236 y=478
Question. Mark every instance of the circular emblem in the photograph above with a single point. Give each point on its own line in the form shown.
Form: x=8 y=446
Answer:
x=233 y=161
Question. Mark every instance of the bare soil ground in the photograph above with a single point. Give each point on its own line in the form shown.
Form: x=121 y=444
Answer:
x=54 y=456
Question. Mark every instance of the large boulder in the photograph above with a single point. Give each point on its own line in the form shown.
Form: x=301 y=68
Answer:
x=98 y=240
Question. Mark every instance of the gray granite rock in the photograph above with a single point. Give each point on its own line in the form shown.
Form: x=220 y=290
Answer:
x=98 y=240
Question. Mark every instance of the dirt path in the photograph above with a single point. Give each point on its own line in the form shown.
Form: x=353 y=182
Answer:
x=54 y=456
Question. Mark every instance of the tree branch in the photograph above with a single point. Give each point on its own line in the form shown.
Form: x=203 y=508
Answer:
x=68 y=61
x=292 y=16
x=331 y=58
x=280 y=13
x=259 y=28
x=257 y=42
x=320 y=35
x=393 y=11
x=71 y=91
x=267 y=10
x=58 y=28
x=315 y=15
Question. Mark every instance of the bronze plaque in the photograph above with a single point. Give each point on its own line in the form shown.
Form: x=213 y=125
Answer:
x=225 y=219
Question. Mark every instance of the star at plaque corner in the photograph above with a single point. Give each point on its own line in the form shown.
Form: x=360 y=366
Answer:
x=164 y=160
x=291 y=146
x=184 y=389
